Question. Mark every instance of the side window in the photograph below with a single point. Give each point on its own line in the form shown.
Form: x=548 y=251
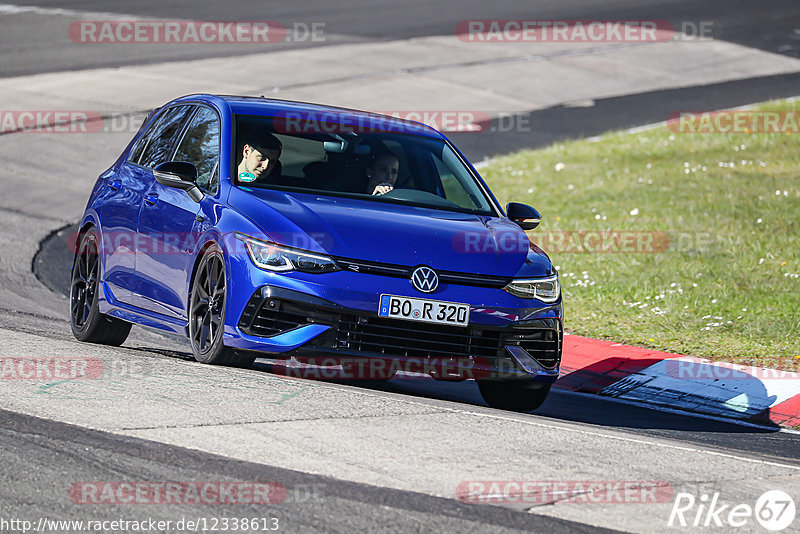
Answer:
x=140 y=145
x=405 y=178
x=161 y=140
x=200 y=146
x=297 y=153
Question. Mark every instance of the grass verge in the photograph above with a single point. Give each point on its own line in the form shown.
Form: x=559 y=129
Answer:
x=683 y=242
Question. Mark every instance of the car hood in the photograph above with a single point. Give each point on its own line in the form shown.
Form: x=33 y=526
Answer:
x=392 y=233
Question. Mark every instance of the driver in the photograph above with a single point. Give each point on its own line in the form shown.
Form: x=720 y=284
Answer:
x=382 y=173
x=259 y=154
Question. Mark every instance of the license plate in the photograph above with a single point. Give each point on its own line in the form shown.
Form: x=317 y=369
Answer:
x=424 y=310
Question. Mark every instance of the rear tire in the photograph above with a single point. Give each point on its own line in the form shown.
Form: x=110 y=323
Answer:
x=513 y=396
x=207 y=313
x=86 y=321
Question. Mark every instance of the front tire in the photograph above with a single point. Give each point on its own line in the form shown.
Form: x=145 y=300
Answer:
x=512 y=396
x=87 y=323
x=207 y=313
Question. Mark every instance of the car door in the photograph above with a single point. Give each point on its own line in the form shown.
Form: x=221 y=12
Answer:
x=167 y=218
x=119 y=218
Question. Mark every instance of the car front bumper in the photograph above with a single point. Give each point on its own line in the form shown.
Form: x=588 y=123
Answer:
x=500 y=343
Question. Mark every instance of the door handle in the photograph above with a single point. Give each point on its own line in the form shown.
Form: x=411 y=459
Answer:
x=151 y=199
x=114 y=185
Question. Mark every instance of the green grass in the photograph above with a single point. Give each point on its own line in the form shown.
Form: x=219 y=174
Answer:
x=723 y=289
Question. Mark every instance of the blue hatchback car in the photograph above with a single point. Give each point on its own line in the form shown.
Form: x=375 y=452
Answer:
x=325 y=236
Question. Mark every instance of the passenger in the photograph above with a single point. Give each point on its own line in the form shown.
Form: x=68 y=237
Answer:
x=382 y=173
x=259 y=154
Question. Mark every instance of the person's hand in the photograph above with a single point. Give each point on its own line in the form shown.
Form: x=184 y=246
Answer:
x=382 y=189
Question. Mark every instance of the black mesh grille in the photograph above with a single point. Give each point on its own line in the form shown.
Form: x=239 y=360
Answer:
x=270 y=316
x=373 y=335
x=414 y=339
x=542 y=344
x=269 y=322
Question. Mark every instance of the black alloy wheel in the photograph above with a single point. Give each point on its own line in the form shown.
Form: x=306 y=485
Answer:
x=87 y=323
x=207 y=313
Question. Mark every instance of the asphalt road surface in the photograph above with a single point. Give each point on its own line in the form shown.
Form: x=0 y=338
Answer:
x=35 y=40
x=769 y=25
x=351 y=456
x=41 y=460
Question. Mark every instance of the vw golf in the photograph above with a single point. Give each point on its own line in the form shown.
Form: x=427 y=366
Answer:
x=261 y=227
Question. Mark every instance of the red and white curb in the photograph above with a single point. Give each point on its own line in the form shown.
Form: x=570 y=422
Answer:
x=719 y=389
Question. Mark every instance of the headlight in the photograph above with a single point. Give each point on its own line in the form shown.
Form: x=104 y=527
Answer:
x=272 y=257
x=544 y=289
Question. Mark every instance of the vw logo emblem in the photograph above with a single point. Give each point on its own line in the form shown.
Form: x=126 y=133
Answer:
x=424 y=279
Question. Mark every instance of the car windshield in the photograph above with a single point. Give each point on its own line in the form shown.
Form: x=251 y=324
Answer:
x=380 y=163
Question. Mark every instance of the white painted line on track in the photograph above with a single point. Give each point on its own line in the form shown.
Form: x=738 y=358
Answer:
x=15 y=9
x=601 y=434
x=624 y=401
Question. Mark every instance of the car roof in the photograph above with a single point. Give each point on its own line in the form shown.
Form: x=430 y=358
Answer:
x=272 y=107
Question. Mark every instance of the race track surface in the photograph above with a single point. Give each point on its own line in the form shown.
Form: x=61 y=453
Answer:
x=352 y=456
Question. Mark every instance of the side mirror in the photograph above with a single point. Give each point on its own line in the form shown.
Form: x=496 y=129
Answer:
x=525 y=216
x=180 y=175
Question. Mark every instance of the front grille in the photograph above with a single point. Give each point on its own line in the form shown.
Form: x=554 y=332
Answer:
x=378 y=336
x=270 y=322
x=414 y=339
x=542 y=344
x=404 y=271
x=268 y=317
